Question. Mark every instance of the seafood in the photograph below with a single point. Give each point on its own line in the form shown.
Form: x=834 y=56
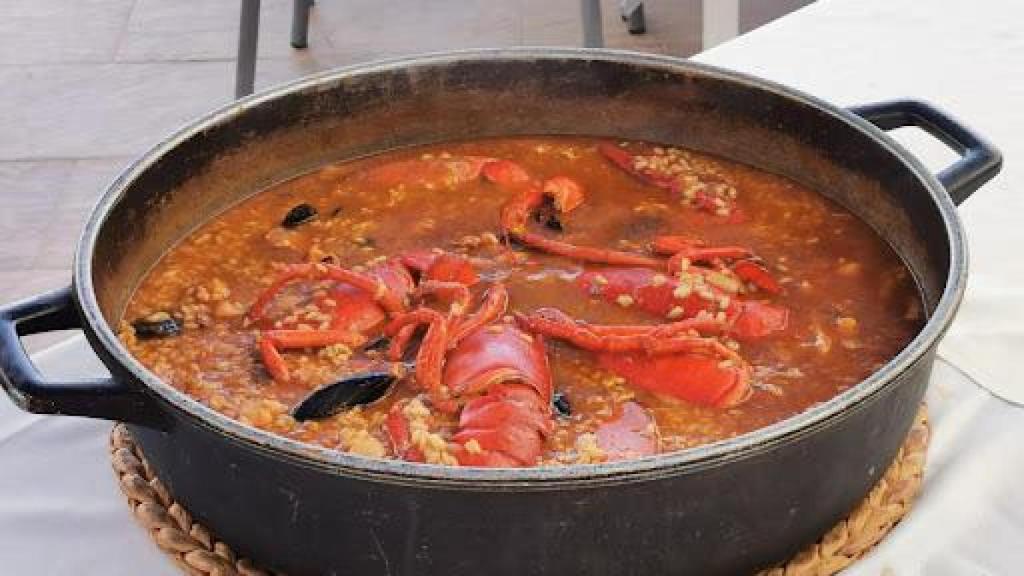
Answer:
x=495 y=375
x=510 y=303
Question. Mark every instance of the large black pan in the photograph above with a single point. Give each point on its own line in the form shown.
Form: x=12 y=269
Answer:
x=729 y=507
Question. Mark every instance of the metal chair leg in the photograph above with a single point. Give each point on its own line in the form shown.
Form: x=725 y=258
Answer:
x=248 y=36
x=300 y=23
x=632 y=12
x=593 y=30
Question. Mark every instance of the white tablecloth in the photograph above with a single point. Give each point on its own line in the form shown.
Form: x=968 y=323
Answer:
x=61 y=512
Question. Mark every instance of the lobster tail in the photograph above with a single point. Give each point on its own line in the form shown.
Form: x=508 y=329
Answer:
x=505 y=372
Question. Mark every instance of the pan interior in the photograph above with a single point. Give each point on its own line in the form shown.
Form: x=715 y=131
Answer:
x=242 y=149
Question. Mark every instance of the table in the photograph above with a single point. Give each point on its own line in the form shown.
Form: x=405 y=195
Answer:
x=61 y=512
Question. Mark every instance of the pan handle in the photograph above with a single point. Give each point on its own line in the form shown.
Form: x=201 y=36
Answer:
x=106 y=398
x=979 y=161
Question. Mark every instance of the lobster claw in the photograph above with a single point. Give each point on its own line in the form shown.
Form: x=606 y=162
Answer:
x=664 y=359
x=695 y=377
x=639 y=284
x=747 y=319
x=754 y=319
x=758 y=275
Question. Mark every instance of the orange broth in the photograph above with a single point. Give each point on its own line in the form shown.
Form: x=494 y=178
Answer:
x=852 y=303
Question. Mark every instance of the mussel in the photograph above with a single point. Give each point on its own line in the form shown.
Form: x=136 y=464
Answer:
x=378 y=344
x=560 y=403
x=159 y=325
x=547 y=215
x=347 y=392
x=552 y=222
x=299 y=215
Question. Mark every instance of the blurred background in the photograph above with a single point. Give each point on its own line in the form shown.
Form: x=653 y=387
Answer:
x=85 y=85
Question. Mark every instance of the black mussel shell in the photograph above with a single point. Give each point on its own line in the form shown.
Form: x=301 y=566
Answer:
x=512 y=242
x=163 y=328
x=552 y=222
x=350 y=391
x=560 y=403
x=299 y=215
x=379 y=344
x=547 y=215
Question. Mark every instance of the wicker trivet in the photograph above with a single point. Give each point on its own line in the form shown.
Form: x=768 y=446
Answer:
x=198 y=553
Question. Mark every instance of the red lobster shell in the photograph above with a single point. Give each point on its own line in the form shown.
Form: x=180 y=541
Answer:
x=656 y=293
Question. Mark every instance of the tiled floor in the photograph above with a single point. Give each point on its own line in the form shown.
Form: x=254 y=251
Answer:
x=87 y=84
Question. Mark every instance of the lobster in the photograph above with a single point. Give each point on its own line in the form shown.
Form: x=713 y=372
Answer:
x=698 y=292
x=671 y=359
x=357 y=304
x=684 y=289
x=697 y=285
x=360 y=302
x=493 y=374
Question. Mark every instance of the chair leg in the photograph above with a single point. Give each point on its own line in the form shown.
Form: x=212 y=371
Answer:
x=632 y=12
x=593 y=30
x=300 y=23
x=248 y=36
